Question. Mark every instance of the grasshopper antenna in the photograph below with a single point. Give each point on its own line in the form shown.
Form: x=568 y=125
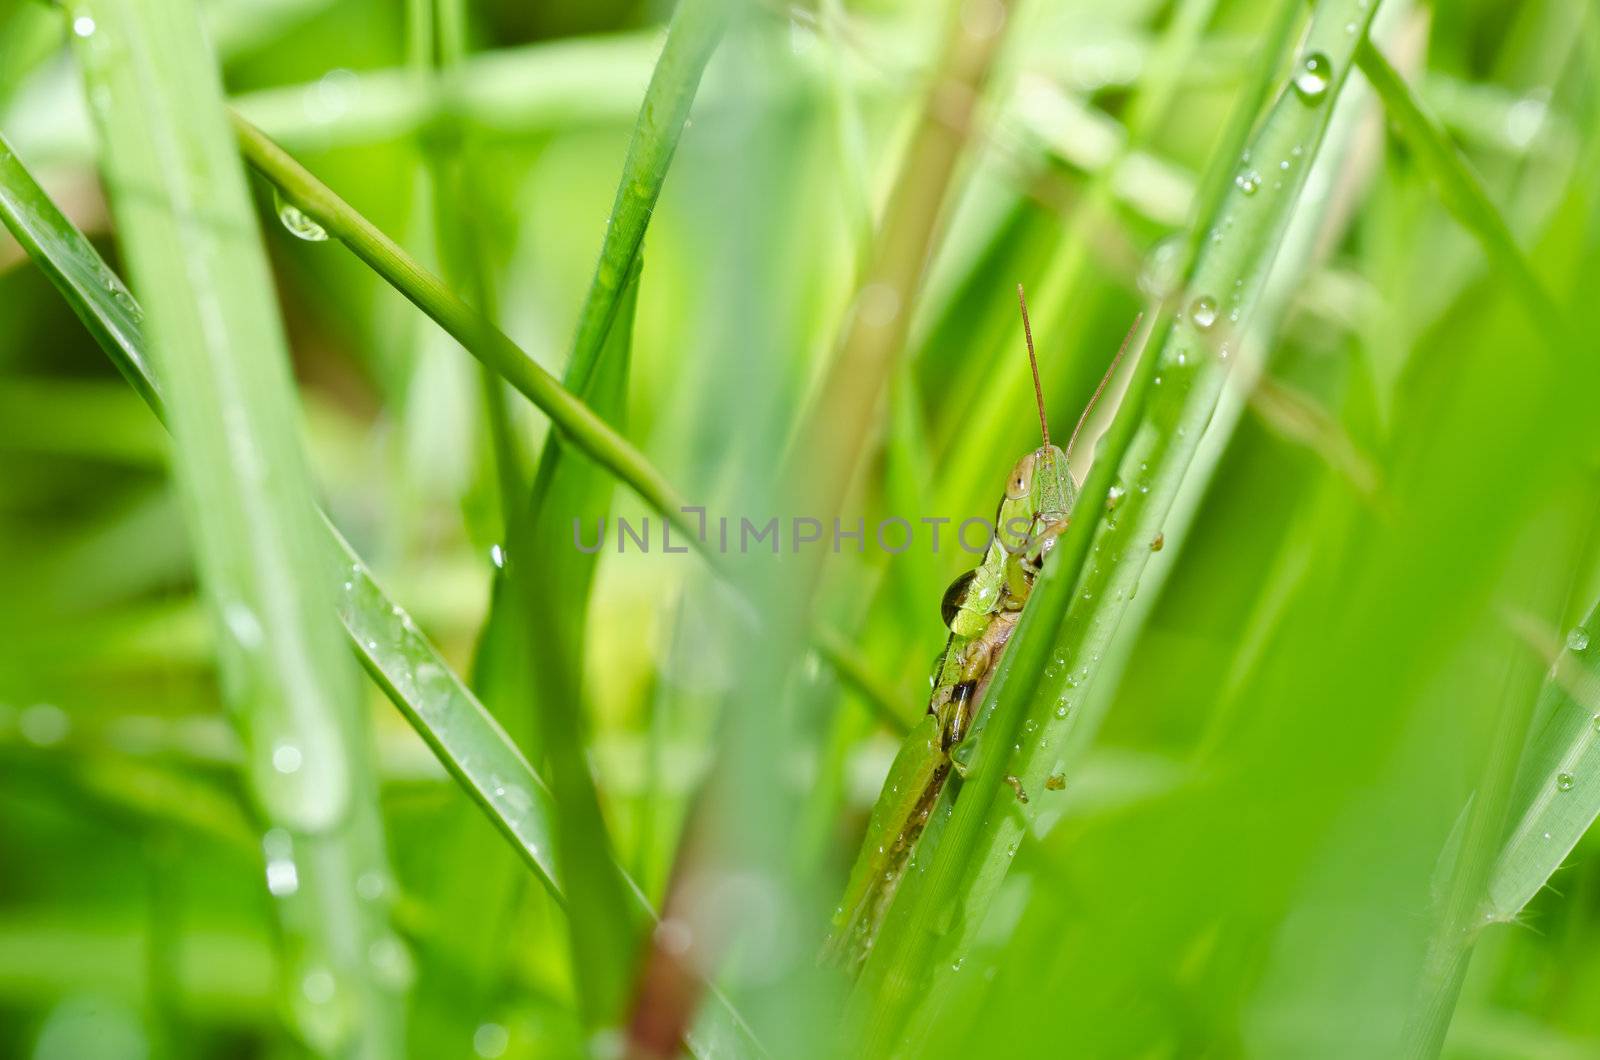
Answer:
x=1103 y=381
x=1033 y=362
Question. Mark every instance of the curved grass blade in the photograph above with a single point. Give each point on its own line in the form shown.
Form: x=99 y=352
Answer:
x=696 y=28
x=1178 y=381
x=187 y=226
x=467 y=739
x=1557 y=795
x=1460 y=188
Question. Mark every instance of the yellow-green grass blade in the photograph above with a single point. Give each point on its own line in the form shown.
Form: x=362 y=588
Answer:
x=187 y=227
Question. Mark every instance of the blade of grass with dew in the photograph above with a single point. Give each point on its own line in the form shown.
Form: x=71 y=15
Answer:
x=467 y=740
x=178 y=193
x=1557 y=796
x=1238 y=226
x=465 y=737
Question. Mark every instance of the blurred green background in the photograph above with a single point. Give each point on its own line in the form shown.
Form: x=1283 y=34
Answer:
x=1253 y=849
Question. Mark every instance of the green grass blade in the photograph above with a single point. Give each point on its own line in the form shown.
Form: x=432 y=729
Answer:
x=95 y=293
x=542 y=601
x=1557 y=796
x=549 y=589
x=467 y=739
x=1179 y=379
x=1460 y=188
x=186 y=224
x=696 y=27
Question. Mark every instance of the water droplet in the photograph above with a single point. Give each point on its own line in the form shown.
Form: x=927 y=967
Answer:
x=674 y=936
x=1062 y=709
x=286 y=757
x=878 y=304
x=1248 y=182
x=1203 y=311
x=391 y=962
x=1313 y=77
x=83 y=25
x=243 y=624
x=1114 y=496
x=283 y=877
x=1595 y=722
x=296 y=223
x=1159 y=276
x=1564 y=781
x=44 y=724
x=1578 y=639
x=497 y=556
x=319 y=986
x=490 y=1040
x=372 y=886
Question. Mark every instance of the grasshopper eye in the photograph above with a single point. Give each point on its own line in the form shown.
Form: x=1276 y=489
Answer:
x=1021 y=480
x=955 y=596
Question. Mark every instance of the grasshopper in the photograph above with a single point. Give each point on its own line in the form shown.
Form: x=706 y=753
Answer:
x=981 y=609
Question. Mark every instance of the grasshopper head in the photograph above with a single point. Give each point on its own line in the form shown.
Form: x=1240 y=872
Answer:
x=1043 y=479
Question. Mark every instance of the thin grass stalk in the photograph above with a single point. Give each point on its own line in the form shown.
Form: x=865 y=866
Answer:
x=692 y=36
x=477 y=335
x=1045 y=673
x=186 y=225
